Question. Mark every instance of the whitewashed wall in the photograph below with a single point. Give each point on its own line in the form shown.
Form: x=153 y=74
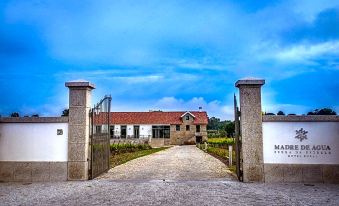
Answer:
x=117 y=130
x=320 y=147
x=129 y=130
x=33 y=142
x=144 y=130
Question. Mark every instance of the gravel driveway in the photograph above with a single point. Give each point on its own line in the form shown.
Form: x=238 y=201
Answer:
x=175 y=163
x=177 y=176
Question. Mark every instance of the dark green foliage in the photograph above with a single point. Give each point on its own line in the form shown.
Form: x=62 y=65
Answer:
x=214 y=123
x=35 y=115
x=217 y=128
x=118 y=148
x=15 y=114
x=220 y=142
x=280 y=113
x=230 y=128
x=65 y=113
x=269 y=113
x=324 y=111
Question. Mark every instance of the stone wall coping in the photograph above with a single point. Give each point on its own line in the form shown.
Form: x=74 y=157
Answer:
x=80 y=84
x=250 y=81
x=300 y=118
x=33 y=119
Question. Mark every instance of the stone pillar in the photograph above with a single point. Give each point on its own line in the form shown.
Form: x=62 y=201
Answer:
x=78 y=129
x=251 y=129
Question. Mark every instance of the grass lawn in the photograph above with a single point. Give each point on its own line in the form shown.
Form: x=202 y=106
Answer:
x=118 y=159
x=221 y=154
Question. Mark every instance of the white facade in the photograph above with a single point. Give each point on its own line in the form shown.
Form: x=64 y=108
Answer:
x=145 y=131
x=301 y=142
x=33 y=142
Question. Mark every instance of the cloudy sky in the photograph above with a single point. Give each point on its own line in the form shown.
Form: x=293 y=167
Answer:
x=169 y=55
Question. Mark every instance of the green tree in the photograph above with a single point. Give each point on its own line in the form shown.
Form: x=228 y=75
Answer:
x=230 y=129
x=65 y=113
x=15 y=114
x=324 y=111
x=280 y=113
x=35 y=115
x=213 y=123
x=269 y=113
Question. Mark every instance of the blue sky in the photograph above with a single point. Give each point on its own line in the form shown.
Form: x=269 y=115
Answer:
x=169 y=55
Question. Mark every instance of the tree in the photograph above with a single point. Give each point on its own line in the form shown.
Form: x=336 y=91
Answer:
x=324 y=111
x=65 y=113
x=280 y=113
x=230 y=128
x=35 y=115
x=269 y=113
x=15 y=114
x=213 y=123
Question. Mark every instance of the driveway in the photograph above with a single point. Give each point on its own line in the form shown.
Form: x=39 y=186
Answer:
x=177 y=176
x=175 y=163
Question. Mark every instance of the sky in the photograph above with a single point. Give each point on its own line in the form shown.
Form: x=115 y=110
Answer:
x=169 y=55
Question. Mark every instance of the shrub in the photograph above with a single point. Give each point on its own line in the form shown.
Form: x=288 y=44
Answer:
x=220 y=142
x=117 y=148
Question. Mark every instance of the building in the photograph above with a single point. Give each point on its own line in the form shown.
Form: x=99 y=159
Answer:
x=159 y=127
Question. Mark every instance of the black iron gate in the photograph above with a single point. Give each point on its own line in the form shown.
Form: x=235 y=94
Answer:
x=99 y=137
x=238 y=140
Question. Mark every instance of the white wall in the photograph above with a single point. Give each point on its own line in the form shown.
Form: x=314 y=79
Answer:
x=130 y=130
x=144 y=130
x=33 y=142
x=117 y=130
x=308 y=151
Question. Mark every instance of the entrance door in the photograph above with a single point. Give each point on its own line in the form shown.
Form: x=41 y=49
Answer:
x=123 y=131
x=198 y=139
x=111 y=131
x=136 y=132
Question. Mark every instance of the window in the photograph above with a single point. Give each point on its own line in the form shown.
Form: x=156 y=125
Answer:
x=98 y=129
x=187 y=117
x=177 y=127
x=111 y=131
x=198 y=128
x=187 y=128
x=123 y=131
x=161 y=131
x=136 y=131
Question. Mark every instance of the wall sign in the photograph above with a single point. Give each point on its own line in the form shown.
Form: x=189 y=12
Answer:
x=60 y=132
x=301 y=142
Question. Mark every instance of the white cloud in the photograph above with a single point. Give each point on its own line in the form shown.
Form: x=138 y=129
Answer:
x=304 y=52
x=214 y=108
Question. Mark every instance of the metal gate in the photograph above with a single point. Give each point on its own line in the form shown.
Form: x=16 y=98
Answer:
x=238 y=155
x=99 y=137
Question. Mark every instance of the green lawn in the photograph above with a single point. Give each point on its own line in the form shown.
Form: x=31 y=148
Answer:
x=121 y=158
x=221 y=154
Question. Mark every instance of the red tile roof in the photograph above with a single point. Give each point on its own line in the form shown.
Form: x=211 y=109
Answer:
x=155 y=117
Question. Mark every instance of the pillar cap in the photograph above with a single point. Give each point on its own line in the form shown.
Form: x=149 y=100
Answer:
x=86 y=84
x=250 y=81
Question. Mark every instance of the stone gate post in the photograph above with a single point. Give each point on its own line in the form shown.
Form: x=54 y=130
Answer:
x=251 y=129
x=78 y=129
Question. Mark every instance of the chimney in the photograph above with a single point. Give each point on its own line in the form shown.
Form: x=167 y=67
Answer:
x=200 y=109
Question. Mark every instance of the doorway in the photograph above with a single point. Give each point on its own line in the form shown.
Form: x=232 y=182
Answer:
x=123 y=131
x=136 y=132
x=198 y=139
